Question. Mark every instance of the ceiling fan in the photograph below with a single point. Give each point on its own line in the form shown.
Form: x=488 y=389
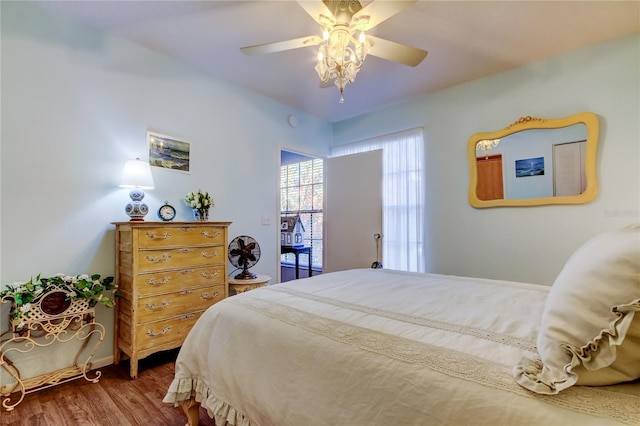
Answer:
x=344 y=44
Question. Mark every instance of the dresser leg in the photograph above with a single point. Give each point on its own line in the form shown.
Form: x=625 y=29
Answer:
x=133 y=367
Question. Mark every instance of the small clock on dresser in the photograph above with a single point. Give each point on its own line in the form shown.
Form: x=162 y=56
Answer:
x=167 y=212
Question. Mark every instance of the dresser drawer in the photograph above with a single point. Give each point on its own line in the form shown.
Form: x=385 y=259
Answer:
x=171 y=331
x=171 y=304
x=167 y=236
x=156 y=260
x=168 y=281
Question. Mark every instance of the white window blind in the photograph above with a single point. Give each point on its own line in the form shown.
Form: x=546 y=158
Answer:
x=403 y=196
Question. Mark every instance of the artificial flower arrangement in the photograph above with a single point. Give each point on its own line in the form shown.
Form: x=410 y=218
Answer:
x=79 y=287
x=200 y=202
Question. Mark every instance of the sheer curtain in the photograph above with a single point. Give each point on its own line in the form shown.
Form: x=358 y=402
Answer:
x=402 y=196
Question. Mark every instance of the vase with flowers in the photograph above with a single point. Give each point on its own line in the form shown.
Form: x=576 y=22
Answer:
x=200 y=202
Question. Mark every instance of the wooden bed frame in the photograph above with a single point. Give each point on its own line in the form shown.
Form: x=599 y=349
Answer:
x=191 y=409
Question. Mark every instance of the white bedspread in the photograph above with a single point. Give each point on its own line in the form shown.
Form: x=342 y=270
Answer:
x=380 y=347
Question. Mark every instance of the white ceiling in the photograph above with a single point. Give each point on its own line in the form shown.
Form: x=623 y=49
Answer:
x=466 y=40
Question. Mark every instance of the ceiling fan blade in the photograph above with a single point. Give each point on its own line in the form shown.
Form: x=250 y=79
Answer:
x=379 y=11
x=396 y=52
x=260 y=49
x=315 y=8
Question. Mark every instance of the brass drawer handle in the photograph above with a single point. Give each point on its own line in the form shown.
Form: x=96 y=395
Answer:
x=185 y=250
x=153 y=282
x=209 y=276
x=153 y=307
x=186 y=292
x=157 y=259
x=186 y=229
x=186 y=271
x=188 y=316
x=208 y=234
x=206 y=254
x=206 y=296
x=165 y=330
x=163 y=236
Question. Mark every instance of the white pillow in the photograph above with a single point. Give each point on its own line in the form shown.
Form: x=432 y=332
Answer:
x=590 y=330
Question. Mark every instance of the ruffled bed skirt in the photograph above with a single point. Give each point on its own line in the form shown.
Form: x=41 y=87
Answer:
x=184 y=389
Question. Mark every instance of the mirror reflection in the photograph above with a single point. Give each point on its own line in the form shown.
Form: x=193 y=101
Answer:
x=535 y=161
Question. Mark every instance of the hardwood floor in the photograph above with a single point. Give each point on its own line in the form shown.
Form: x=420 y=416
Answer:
x=114 y=401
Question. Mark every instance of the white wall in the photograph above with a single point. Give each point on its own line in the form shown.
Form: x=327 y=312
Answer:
x=528 y=244
x=76 y=104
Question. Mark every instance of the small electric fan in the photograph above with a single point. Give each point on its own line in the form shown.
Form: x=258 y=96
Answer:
x=244 y=252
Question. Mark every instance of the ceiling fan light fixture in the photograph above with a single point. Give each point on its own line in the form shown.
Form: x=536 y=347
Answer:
x=343 y=47
x=341 y=55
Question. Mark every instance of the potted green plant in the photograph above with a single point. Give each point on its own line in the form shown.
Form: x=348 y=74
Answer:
x=54 y=295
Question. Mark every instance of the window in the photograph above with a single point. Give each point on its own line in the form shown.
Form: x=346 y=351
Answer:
x=402 y=196
x=302 y=192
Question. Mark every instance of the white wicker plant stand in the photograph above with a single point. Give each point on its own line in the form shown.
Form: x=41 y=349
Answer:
x=53 y=317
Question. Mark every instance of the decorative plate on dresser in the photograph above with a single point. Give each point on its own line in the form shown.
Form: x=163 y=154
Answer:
x=167 y=274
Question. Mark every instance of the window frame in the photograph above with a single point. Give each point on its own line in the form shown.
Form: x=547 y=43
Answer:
x=291 y=203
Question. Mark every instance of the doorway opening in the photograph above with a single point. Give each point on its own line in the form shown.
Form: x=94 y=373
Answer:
x=301 y=194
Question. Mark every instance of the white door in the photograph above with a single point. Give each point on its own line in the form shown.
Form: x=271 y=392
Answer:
x=352 y=210
x=569 y=175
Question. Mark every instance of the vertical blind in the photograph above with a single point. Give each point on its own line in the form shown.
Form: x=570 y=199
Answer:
x=402 y=196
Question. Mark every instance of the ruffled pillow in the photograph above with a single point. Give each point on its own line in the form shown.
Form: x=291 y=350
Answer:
x=590 y=330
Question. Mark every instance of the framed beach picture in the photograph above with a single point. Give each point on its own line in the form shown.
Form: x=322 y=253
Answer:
x=168 y=152
x=530 y=167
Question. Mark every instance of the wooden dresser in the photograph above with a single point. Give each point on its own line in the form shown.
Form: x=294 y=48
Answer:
x=168 y=274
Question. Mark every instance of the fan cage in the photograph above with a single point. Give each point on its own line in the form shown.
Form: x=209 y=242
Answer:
x=237 y=253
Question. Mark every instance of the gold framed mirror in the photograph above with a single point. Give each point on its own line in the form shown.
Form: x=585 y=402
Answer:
x=535 y=161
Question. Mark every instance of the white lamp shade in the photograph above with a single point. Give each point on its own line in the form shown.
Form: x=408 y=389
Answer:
x=137 y=174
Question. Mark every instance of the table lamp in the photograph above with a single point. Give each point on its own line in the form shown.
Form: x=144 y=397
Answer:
x=137 y=176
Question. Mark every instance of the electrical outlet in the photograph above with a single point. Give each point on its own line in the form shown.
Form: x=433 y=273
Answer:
x=266 y=220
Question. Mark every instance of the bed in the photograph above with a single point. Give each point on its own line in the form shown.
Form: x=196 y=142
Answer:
x=382 y=347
